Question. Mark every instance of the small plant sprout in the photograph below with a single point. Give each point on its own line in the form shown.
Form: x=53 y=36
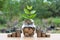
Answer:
x=29 y=13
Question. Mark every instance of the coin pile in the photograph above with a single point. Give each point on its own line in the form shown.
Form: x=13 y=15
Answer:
x=28 y=31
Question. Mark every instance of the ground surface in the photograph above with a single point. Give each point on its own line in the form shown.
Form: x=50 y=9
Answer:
x=53 y=37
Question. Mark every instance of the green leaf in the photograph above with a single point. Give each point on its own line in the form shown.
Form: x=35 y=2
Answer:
x=29 y=7
x=24 y=16
x=32 y=12
x=32 y=16
x=26 y=11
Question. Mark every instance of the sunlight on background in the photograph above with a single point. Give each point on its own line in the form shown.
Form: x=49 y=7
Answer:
x=16 y=0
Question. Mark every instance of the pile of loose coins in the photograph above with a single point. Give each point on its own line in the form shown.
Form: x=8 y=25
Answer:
x=28 y=31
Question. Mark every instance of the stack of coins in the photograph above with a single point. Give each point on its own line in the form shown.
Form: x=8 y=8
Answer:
x=42 y=35
x=18 y=33
x=39 y=34
x=14 y=34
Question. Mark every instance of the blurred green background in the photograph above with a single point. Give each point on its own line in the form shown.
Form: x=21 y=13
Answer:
x=11 y=10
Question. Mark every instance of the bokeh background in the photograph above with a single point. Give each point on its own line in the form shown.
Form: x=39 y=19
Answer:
x=47 y=13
